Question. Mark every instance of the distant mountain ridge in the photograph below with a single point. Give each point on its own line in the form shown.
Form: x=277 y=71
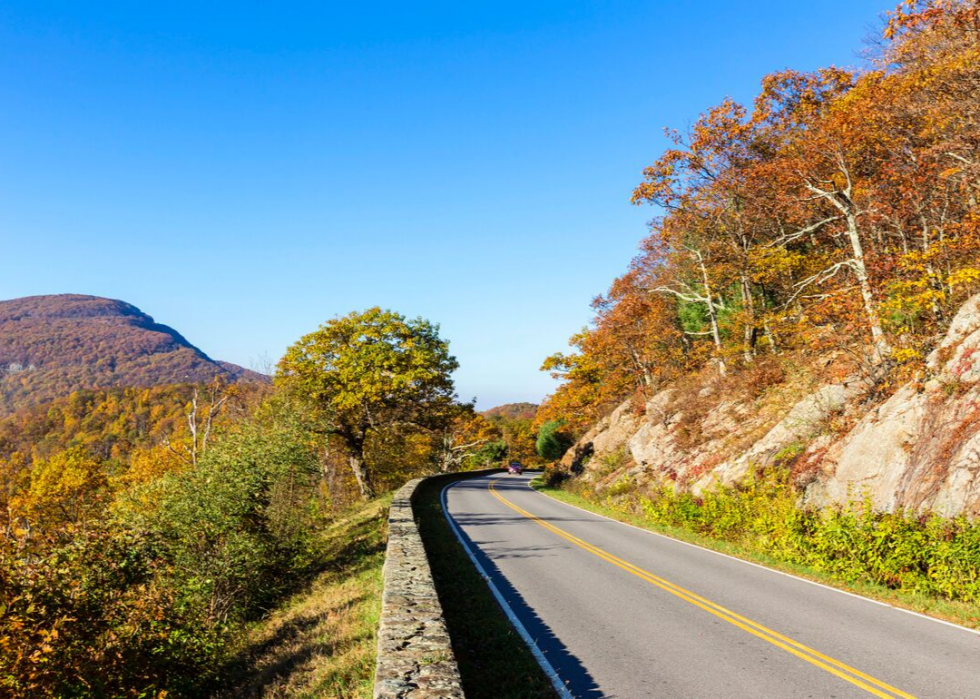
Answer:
x=53 y=345
x=512 y=411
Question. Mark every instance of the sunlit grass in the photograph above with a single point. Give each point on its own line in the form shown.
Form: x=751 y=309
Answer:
x=322 y=642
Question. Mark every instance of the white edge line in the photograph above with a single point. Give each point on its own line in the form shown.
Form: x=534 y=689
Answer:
x=759 y=565
x=549 y=670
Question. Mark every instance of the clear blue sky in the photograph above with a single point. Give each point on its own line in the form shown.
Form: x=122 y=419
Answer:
x=245 y=171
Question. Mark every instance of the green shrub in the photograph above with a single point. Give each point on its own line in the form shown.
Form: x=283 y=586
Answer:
x=553 y=441
x=555 y=477
x=145 y=598
x=623 y=486
x=900 y=550
x=236 y=527
x=491 y=453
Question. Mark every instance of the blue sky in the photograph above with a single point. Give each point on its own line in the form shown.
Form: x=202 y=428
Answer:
x=246 y=171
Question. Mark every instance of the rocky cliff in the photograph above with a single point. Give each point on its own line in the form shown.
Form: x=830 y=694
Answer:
x=844 y=439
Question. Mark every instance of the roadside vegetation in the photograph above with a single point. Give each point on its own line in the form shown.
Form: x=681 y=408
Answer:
x=836 y=214
x=178 y=541
x=321 y=641
x=926 y=563
x=493 y=659
x=832 y=225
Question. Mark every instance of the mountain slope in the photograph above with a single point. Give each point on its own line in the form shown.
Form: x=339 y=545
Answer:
x=841 y=441
x=512 y=411
x=53 y=345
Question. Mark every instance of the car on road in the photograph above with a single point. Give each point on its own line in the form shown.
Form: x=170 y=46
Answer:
x=515 y=467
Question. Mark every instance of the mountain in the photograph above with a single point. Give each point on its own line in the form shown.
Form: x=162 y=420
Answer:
x=512 y=411
x=53 y=345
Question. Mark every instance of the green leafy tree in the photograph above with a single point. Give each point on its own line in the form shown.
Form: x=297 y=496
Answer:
x=491 y=453
x=366 y=372
x=552 y=441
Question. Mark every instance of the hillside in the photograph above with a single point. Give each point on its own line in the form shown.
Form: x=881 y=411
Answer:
x=512 y=411
x=53 y=345
x=835 y=437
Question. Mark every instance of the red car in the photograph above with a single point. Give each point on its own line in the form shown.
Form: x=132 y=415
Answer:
x=515 y=467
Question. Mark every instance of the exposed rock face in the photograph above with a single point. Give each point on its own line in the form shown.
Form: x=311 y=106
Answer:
x=608 y=435
x=920 y=449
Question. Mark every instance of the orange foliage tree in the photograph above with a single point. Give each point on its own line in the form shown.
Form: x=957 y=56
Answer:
x=843 y=207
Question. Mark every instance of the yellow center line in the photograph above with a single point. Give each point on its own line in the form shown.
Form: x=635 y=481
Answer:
x=835 y=667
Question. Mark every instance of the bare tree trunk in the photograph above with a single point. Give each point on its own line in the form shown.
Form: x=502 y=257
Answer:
x=192 y=425
x=842 y=200
x=446 y=459
x=881 y=346
x=770 y=336
x=713 y=315
x=641 y=367
x=361 y=475
x=691 y=295
x=748 y=333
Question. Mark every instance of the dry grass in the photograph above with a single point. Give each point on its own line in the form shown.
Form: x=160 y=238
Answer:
x=321 y=642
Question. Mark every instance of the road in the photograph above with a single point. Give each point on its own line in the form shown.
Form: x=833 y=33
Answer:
x=621 y=612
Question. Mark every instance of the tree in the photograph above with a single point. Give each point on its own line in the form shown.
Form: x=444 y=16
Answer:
x=369 y=371
x=462 y=439
x=200 y=419
x=552 y=441
x=491 y=453
x=67 y=487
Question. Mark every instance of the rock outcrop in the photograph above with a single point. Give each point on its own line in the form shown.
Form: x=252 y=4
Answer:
x=919 y=449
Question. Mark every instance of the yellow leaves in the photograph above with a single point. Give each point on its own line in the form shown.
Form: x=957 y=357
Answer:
x=149 y=463
x=906 y=355
x=64 y=487
x=966 y=276
x=772 y=263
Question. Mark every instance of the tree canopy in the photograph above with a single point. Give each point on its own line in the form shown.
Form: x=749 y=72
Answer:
x=837 y=212
x=367 y=372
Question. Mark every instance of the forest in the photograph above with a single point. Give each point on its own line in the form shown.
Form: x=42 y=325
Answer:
x=834 y=221
x=837 y=213
x=142 y=530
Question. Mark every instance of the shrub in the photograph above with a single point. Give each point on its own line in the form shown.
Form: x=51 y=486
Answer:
x=553 y=441
x=900 y=550
x=143 y=599
x=491 y=453
x=555 y=477
x=235 y=528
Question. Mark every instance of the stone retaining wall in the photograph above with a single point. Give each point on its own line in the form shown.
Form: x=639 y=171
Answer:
x=415 y=657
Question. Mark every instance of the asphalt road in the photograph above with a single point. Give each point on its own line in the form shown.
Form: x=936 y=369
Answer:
x=620 y=612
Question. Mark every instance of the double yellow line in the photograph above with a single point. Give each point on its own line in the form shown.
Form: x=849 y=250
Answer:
x=835 y=667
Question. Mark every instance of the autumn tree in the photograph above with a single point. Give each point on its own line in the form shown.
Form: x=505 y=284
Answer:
x=702 y=184
x=842 y=211
x=463 y=437
x=65 y=489
x=366 y=372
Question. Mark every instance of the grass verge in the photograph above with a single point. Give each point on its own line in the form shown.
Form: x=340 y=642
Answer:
x=494 y=661
x=962 y=613
x=321 y=642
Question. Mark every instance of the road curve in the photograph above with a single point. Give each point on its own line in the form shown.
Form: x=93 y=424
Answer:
x=621 y=612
